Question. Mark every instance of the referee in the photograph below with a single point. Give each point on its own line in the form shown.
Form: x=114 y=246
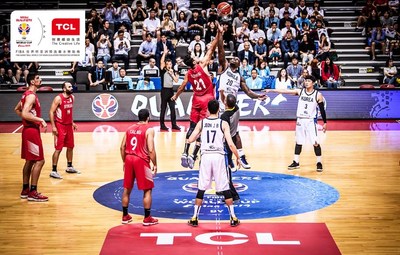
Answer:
x=168 y=77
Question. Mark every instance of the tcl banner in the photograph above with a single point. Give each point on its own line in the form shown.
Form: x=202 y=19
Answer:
x=220 y=239
x=52 y=35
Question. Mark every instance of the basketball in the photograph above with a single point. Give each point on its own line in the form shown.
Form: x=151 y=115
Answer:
x=224 y=8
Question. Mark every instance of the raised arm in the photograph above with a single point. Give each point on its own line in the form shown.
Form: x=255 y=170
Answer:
x=210 y=51
x=221 y=52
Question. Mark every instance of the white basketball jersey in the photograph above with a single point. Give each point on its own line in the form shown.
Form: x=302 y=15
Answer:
x=307 y=105
x=212 y=137
x=229 y=82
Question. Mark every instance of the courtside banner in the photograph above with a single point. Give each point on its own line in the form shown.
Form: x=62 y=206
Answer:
x=125 y=106
x=48 y=35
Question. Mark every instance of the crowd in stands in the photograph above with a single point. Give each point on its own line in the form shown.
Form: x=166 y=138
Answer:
x=262 y=34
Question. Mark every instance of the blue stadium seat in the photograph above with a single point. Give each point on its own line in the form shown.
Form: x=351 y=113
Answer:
x=157 y=82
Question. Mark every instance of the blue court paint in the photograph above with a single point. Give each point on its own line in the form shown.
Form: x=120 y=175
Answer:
x=263 y=195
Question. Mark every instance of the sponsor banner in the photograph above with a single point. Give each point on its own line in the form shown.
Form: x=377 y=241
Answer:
x=124 y=106
x=52 y=35
x=219 y=238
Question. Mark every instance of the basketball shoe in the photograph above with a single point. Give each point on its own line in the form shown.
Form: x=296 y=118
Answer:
x=126 y=219
x=55 y=175
x=184 y=160
x=25 y=193
x=148 y=221
x=72 y=170
x=293 y=166
x=194 y=222
x=234 y=222
x=244 y=163
x=190 y=161
x=319 y=167
x=37 y=197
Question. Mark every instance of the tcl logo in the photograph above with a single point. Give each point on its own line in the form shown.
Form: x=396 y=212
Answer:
x=65 y=26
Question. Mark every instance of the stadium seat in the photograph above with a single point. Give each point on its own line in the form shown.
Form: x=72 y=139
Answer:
x=387 y=86
x=157 y=82
x=45 y=88
x=82 y=81
x=367 y=86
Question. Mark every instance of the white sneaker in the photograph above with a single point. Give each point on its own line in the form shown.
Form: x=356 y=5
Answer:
x=184 y=160
x=190 y=161
x=244 y=163
x=55 y=175
x=72 y=170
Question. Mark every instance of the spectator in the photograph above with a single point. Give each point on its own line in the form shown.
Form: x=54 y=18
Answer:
x=271 y=18
x=324 y=46
x=109 y=12
x=151 y=25
x=181 y=26
x=256 y=33
x=245 y=41
x=195 y=25
x=125 y=15
x=307 y=50
x=122 y=46
x=168 y=26
x=208 y=6
x=193 y=43
x=260 y=51
x=89 y=47
x=294 y=71
x=143 y=4
x=392 y=40
x=146 y=51
x=97 y=75
x=5 y=57
x=250 y=11
x=301 y=80
x=288 y=27
x=365 y=11
x=316 y=70
x=246 y=54
x=90 y=33
x=239 y=4
x=245 y=69
x=114 y=69
x=272 y=7
x=127 y=35
x=211 y=32
x=139 y=14
x=123 y=78
x=301 y=20
x=381 y=6
x=390 y=72
x=286 y=18
x=330 y=73
x=183 y=5
x=238 y=21
x=170 y=10
x=157 y=9
x=103 y=49
x=274 y=34
x=241 y=32
x=290 y=48
x=263 y=70
x=373 y=21
x=228 y=38
x=145 y=84
x=197 y=54
x=282 y=80
x=83 y=65
x=317 y=8
x=179 y=63
x=105 y=30
x=299 y=9
x=95 y=20
x=275 y=54
x=213 y=16
x=171 y=55
x=376 y=37
x=254 y=82
x=394 y=7
x=150 y=66
x=387 y=20
x=257 y=19
x=286 y=9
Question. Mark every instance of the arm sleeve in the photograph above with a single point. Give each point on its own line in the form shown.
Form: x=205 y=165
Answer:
x=322 y=109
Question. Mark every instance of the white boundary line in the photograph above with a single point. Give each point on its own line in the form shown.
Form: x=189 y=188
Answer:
x=16 y=130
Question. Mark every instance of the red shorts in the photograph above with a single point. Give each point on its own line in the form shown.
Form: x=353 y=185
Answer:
x=65 y=137
x=139 y=169
x=200 y=107
x=32 y=146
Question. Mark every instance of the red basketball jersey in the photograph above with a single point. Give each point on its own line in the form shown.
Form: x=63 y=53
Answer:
x=200 y=81
x=64 y=110
x=36 y=111
x=136 y=141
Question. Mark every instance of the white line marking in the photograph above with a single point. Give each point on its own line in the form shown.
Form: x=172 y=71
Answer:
x=16 y=130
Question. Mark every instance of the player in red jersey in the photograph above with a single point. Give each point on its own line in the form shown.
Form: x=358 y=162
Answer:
x=32 y=148
x=137 y=150
x=63 y=127
x=203 y=92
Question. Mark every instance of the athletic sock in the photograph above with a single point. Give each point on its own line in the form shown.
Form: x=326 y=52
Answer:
x=231 y=211
x=25 y=186
x=54 y=168
x=241 y=153
x=296 y=158
x=33 y=187
x=196 y=211
x=186 y=150
x=146 y=212
x=69 y=164
x=124 y=210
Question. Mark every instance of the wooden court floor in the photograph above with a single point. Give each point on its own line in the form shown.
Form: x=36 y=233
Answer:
x=362 y=165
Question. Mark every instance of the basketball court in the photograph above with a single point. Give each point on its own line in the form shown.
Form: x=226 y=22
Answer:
x=352 y=207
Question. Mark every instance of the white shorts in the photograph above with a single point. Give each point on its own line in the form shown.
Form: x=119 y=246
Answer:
x=213 y=166
x=306 y=130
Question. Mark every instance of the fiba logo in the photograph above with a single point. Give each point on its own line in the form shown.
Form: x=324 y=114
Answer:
x=24 y=29
x=104 y=106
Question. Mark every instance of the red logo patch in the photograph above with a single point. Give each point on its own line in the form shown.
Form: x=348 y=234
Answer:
x=210 y=239
x=65 y=26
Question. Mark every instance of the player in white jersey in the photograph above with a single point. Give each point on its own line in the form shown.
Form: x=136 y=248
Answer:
x=213 y=132
x=309 y=100
x=230 y=82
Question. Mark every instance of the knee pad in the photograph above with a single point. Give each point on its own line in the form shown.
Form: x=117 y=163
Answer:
x=227 y=194
x=200 y=194
x=317 y=150
x=297 y=149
